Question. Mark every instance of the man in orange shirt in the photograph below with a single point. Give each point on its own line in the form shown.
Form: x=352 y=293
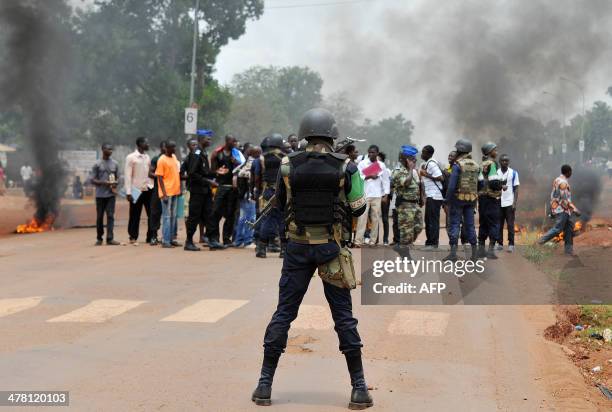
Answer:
x=169 y=183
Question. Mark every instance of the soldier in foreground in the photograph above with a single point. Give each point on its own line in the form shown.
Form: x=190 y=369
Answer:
x=461 y=198
x=405 y=182
x=318 y=190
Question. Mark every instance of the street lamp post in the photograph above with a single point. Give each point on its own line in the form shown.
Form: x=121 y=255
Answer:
x=581 y=88
x=194 y=52
x=563 y=124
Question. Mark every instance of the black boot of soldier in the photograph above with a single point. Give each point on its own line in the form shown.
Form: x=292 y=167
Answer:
x=260 y=250
x=474 y=256
x=360 y=396
x=263 y=393
x=452 y=256
x=491 y=252
x=403 y=251
x=482 y=252
x=283 y=250
x=274 y=246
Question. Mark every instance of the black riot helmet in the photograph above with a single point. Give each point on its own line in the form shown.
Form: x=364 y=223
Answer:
x=318 y=122
x=276 y=140
x=463 y=146
x=265 y=143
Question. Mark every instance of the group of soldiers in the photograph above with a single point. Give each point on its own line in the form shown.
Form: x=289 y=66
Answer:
x=468 y=184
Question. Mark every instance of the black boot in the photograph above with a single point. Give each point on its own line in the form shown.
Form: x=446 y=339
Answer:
x=360 y=396
x=482 y=253
x=263 y=393
x=452 y=256
x=190 y=246
x=260 y=250
x=491 y=252
x=474 y=256
x=274 y=246
x=283 y=250
x=403 y=251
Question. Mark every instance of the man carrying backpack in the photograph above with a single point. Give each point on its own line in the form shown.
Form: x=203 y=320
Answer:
x=433 y=179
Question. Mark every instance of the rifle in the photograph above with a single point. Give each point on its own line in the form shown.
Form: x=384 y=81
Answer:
x=272 y=201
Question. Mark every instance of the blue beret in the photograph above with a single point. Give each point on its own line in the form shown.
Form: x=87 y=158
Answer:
x=408 y=150
x=205 y=132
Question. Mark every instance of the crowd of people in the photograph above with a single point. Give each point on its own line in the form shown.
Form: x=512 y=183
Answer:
x=231 y=184
x=234 y=183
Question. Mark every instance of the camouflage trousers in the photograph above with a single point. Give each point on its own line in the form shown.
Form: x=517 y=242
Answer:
x=410 y=222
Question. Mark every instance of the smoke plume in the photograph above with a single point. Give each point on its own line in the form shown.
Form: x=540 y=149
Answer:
x=471 y=67
x=34 y=60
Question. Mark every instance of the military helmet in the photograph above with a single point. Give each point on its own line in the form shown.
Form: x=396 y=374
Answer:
x=463 y=146
x=488 y=148
x=265 y=143
x=276 y=140
x=318 y=122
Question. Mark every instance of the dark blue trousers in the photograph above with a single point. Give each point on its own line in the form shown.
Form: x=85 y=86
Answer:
x=271 y=225
x=459 y=211
x=299 y=266
x=489 y=212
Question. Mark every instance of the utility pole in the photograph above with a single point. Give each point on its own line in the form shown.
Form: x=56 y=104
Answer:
x=194 y=52
x=581 y=88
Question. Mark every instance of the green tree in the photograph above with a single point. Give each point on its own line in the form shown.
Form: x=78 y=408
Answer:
x=135 y=60
x=599 y=127
x=271 y=99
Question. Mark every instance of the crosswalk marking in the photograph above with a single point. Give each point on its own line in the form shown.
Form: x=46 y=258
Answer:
x=206 y=311
x=313 y=317
x=98 y=311
x=14 y=305
x=419 y=323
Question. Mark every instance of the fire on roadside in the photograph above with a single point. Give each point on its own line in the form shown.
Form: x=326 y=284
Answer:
x=578 y=226
x=36 y=226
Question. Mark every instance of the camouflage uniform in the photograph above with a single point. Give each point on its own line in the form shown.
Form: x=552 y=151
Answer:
x=409 y=214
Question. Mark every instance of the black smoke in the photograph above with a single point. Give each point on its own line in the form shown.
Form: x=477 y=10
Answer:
x=34 y=52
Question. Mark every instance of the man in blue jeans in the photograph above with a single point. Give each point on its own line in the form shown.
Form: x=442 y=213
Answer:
x=562 y=209
x=242 y=178
x=169 y=181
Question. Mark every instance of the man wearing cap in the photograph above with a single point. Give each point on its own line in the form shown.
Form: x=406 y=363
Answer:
x=318 y=190
x=409 y=199
x=489 y=204
x=461 y=197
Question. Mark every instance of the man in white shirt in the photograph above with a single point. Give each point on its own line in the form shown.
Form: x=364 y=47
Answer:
x=509 y=199
x=138 y=188
x=431 y=172
x=377 y=189
x=26 y=177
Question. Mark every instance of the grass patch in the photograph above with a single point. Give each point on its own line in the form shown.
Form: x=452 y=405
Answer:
x=596 y=315
x=537 y=254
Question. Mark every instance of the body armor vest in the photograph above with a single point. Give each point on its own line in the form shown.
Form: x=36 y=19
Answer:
x=492 y=185
x=271 y=164
x=315 y=184
x=467 y=186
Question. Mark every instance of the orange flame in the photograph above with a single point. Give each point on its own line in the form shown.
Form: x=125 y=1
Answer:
x=36 y=226
x=577 y=228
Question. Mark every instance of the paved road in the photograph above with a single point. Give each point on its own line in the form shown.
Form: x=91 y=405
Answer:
x=141 y=329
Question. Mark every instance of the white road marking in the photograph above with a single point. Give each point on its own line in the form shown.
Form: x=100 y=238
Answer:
x=206 y=311
x=10 y=306
x=313 y=317
x=99 y=311
x=419 y=323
